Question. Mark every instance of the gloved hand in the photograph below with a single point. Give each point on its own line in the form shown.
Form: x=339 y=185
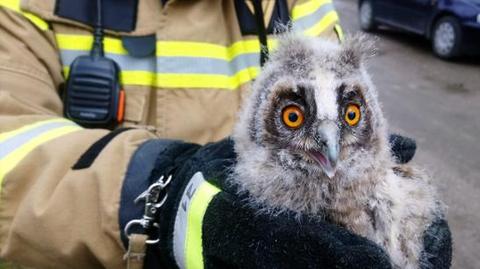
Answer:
x=437 y=241
x=205 y=224
x=402 y=148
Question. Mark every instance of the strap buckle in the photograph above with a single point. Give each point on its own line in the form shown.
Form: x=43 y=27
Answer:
x=153 y=202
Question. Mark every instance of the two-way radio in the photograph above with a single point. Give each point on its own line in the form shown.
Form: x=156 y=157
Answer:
x=93 y=96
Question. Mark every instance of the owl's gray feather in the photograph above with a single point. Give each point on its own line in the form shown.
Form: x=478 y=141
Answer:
x=327 y=168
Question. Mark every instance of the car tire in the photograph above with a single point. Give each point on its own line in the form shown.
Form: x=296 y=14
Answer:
x=366 y=16
x=447 y=37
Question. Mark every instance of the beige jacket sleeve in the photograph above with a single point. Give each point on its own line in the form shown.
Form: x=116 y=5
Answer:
x=52 y=216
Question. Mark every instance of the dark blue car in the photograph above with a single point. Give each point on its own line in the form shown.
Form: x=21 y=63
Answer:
x=453 y=26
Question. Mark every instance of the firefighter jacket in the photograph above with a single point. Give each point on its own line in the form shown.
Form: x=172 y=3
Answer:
x=185 y=81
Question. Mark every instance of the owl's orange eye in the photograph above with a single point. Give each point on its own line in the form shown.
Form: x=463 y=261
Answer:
x=292 y=116
x=352 y=114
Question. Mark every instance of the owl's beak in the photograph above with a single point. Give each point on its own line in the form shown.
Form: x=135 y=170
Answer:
x=327 y=153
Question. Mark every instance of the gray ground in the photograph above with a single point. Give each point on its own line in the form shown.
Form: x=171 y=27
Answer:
x=438 y=104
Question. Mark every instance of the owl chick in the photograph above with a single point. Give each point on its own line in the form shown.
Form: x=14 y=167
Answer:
x=312 y=139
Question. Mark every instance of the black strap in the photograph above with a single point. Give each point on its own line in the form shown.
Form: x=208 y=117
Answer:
x=262 y=34
x=94 y=150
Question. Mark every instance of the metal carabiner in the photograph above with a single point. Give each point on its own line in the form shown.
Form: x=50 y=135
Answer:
x=130 y=224
x=152 y=205
x=158 y=183
x=141 y=222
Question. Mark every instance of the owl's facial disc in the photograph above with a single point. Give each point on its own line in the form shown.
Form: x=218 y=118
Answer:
x=294 y=126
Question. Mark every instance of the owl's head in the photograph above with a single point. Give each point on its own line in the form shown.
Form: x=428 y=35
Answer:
x=313 y=108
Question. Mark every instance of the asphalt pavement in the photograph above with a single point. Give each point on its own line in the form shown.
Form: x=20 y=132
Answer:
x=438 y=104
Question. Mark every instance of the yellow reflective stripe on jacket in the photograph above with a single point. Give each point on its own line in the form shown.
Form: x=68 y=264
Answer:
x=143 y=78
x=339 y=31
x=314 y=17
x=15 y=6
x=326 y=21
x=197 y=49
x=84 y=43
x=178 y=64
x=187 y=64
x=17 y=144
x=307 y=8
x=187 y=234
x=166 y=48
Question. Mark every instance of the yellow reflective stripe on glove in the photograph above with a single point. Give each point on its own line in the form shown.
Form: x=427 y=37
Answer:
x=17 y=144
x=15 y=6
x=187 y=235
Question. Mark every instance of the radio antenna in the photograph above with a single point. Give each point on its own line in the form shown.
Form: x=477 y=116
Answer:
x=97 y=48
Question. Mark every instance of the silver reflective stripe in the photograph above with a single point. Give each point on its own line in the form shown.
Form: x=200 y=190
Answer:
x=174 y=65
x=304 y=23
x=11 y=144
x=181 y=219
x=201 y=65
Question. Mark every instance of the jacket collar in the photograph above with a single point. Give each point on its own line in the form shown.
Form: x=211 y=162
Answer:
x=135 y=16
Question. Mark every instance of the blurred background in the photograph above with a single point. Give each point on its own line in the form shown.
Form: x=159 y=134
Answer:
x=436 y=102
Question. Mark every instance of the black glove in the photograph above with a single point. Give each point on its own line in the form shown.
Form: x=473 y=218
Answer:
x=402 y=148
x=221 y=231
x=437 y=242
